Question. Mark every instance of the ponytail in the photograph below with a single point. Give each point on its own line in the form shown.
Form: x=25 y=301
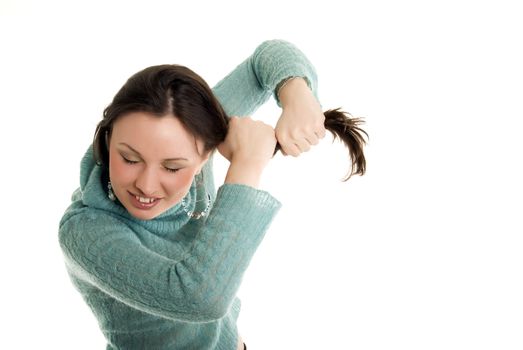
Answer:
x=344 y=126
x=347 y=128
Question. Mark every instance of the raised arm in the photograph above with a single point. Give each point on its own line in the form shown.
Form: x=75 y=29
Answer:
x=251 y=83
x=278 y=68
x=198 y=284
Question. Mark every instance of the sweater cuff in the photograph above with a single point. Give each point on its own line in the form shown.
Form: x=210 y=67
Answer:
x=291 y=62
x=284 y=82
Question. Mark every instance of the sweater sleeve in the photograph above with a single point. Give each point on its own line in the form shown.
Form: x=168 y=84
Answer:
x=252 y=82
x=198 y=287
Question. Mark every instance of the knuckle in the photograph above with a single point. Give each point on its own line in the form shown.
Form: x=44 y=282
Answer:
x=294 y=134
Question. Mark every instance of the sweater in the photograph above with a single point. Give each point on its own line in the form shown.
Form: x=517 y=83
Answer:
x=171 y=282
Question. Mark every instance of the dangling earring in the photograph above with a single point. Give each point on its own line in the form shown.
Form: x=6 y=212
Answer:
x=110 y=192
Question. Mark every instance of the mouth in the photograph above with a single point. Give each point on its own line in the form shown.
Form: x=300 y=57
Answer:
x=143 y=202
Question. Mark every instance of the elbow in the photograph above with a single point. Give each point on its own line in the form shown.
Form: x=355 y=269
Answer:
x=199 y=300
x=270 y=46
x=270 y=42
x=214 y=312
x=204 y=312
x=211 y=309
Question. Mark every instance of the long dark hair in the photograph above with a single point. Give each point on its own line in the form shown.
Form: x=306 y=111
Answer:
x=177 y=90
x=348 y=129
x=164 y=90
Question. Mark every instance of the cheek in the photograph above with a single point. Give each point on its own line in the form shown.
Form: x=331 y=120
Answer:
x=182 y=180
x=120 y=172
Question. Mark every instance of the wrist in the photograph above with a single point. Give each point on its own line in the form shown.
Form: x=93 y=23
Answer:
x=292 y=88
x=244 y=172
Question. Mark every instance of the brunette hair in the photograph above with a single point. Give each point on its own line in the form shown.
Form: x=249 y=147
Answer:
x=163 y=90
x=348 y=129
x=177 y=90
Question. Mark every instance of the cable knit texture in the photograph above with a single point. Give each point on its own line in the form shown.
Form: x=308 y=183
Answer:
x=171 y=282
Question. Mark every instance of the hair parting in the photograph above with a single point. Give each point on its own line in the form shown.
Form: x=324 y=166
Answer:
x=165 y=90
x=176 y=90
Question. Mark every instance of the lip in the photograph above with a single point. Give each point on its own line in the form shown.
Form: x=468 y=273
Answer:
x=144 y=206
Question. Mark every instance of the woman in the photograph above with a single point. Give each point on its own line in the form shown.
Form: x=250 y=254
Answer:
x=155 y=252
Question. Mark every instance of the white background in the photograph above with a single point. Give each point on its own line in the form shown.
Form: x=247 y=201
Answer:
x=423 y=252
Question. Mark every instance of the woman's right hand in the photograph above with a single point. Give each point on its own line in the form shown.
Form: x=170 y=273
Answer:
x=249 y=146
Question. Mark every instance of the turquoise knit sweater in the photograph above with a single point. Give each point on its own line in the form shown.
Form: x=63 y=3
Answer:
x=171 y=282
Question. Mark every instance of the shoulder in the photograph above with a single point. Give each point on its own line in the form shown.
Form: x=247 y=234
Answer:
x=87 y=215
x=86 y=225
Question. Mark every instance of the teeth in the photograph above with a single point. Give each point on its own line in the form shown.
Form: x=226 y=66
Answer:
x=144 y=200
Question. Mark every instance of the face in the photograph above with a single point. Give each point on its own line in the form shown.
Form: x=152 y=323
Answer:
x=152 y=162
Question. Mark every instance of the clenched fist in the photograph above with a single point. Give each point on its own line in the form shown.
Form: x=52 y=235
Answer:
x=249 y=146
x=302 y=122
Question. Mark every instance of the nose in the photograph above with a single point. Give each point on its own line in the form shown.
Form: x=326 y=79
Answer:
x=147 y=182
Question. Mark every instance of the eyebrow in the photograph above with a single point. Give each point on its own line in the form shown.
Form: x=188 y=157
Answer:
x=138 y=153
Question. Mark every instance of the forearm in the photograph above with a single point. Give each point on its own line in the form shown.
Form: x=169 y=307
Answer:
x=234 y=229
x=249 y=85
x=244 y=173
x=292 y=88
x=195 y=285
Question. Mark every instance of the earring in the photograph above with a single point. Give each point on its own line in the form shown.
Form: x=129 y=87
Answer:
x=110 y=192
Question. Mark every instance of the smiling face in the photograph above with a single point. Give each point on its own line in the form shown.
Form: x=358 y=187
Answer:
x=152 y=162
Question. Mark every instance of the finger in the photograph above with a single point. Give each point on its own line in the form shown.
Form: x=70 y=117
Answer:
x=303 y=145
x=312 y=139
x=290 y=149
x=320 y=133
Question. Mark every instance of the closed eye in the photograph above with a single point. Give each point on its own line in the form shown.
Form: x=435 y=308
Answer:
x=129 y=161
x=134 y=162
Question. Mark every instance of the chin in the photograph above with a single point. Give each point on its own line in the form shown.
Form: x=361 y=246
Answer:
x=144 y=214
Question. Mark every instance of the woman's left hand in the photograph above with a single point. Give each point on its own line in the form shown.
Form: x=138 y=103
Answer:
x=302 y=122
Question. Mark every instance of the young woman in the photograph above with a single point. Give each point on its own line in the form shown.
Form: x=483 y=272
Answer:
x=155 y=251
